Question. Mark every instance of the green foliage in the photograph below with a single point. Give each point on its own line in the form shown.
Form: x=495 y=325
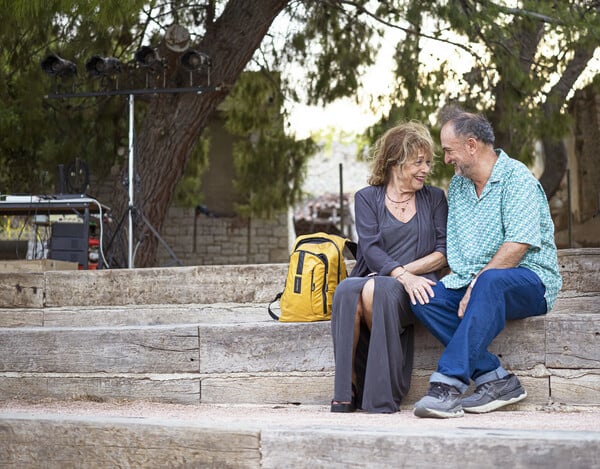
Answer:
x=270 y=165
x=334 y=47
x=39 y=132
x=519 y=51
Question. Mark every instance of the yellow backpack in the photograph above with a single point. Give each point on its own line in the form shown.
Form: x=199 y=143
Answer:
x=316 y=268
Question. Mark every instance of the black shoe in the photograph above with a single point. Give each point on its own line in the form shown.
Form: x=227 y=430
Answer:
x=342 y=407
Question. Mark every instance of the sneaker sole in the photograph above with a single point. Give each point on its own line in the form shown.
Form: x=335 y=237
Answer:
x=490 y=406
x=437 y=414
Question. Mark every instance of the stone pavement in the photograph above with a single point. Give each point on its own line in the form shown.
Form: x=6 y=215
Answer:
x=87 y=433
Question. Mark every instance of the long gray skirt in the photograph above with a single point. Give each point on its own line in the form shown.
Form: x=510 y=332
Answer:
x=384 y=356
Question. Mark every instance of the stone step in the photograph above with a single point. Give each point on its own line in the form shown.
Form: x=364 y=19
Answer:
x=170 y=335
x=134 y=315
x=214 y=313
x=208 y=284
x=234 y=353
x=295 y=437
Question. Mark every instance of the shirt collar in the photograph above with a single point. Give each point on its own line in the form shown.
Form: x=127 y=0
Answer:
x=499 y=168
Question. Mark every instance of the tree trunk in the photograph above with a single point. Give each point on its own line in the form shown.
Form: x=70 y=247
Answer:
x=555 y=152
x=509 y=93
x=174 y=122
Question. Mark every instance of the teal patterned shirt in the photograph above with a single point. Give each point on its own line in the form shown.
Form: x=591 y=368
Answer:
x=512 y=208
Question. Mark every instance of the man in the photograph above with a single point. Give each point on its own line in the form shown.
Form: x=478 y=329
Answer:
x=503 y=263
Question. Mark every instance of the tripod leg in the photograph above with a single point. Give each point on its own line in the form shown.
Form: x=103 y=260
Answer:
x=155 y=233
x=117 y=230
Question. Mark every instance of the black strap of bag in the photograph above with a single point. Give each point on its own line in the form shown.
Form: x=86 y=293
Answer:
x=271 y=313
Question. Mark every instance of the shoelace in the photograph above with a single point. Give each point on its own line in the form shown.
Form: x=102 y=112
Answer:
x=482 y=388
x=439 y=390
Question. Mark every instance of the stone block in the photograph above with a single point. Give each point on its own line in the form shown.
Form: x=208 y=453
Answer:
x=20 y=290
x=270 y=346
x=174 y=389
x=575 y=387
x=56 y=442
x=147 y=349
x=573 y=340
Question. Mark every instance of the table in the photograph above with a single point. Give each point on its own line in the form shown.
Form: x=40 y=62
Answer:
x=31 y=205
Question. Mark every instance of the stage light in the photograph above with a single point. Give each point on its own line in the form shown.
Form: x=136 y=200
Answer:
x=146 y=56
x=54 y=65
x=193 y=60
x=177 y=38
x=99 y=66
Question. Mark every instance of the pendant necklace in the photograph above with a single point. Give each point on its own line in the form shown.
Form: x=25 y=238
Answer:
x=400 y=202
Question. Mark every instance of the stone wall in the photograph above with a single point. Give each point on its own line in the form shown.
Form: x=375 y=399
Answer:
x=197 y=239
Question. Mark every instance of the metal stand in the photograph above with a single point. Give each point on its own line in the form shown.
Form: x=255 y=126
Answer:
x=130 y=187
x=131 y=208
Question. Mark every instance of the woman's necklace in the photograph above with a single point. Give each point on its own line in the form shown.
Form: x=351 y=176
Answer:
x=400 y=202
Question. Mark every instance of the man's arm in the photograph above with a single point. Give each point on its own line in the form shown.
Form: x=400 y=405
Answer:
x=508 y=255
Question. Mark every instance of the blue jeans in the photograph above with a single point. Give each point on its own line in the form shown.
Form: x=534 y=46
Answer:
x=498 y=295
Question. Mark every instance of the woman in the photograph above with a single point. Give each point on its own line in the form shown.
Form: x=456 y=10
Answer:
x=401 y=226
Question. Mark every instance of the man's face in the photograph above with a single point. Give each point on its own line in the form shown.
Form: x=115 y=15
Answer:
x=456 y=151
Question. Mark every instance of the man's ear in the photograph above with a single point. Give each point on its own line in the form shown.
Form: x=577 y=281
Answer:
x=472 y=145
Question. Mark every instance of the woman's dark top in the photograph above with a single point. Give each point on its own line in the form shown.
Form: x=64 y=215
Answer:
x=371 y=215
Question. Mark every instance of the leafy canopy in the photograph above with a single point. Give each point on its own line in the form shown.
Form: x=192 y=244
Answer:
x=516 y=61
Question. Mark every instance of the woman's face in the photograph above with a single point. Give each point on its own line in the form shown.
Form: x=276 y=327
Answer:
x=415 y=170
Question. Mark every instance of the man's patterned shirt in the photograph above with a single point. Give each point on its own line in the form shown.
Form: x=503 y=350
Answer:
x=512 y=208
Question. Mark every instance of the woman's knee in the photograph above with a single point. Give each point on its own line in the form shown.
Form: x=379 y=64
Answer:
x=366 y=293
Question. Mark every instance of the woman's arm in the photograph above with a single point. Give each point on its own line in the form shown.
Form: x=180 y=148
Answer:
x=429 y=263
x=369 y=234
x=409 y=275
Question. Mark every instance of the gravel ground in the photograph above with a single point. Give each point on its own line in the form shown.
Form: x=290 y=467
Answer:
x=555 y=418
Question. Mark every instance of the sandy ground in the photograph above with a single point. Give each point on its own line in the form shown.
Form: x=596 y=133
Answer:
x=560 y=419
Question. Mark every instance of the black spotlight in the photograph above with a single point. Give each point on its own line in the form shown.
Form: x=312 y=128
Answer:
x=193 y=60
x=54 y=65
x=103 y=66
x=146 y=56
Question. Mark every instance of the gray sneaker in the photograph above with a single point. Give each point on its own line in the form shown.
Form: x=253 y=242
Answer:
x=494 y=394
x=442 y=401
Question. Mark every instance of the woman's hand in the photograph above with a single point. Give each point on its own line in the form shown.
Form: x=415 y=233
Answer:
x=418 y=288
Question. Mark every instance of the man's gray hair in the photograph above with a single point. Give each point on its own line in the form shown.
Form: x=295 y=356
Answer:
x=467 y=124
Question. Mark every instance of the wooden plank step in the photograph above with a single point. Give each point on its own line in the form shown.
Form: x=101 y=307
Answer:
x=134 y=315
x=208 y=284
x=227 y=313
x=219 y=362
x=242 y=347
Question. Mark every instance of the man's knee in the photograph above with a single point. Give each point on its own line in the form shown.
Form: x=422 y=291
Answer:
x=500 y=280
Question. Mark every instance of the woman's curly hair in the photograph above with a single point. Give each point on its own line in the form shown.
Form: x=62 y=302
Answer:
x=399 y=144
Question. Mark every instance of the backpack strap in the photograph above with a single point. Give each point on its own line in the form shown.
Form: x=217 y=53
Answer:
x=271 y=313
x=352 y=247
